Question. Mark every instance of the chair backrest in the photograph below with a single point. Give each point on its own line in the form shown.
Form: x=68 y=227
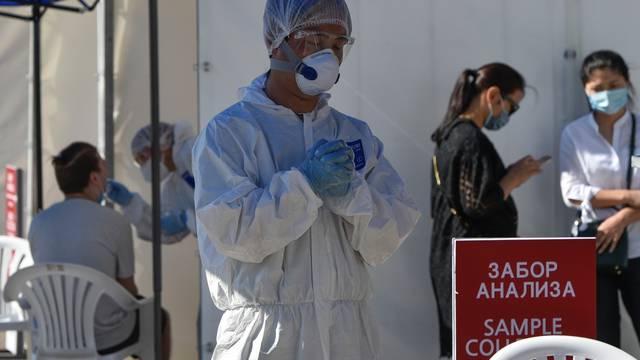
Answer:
x=61 y=300
x=15 y=254
x=560 y=346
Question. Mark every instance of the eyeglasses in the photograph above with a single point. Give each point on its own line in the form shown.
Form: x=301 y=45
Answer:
x=514 y=105
x=142 y=156
x=315 y=41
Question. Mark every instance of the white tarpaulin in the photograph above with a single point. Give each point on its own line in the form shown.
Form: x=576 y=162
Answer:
x=178 y=101
x=14 y=110
x=14 y=99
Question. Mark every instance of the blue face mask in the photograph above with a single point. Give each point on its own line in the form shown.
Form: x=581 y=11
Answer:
x=610 y=101
x=496 y=123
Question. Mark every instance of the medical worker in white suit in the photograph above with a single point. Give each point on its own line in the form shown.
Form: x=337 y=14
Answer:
x=295 y=200
x=177 y=184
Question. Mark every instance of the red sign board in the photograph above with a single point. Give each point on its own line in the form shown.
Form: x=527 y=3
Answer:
x=510 y=289
x=12 y=190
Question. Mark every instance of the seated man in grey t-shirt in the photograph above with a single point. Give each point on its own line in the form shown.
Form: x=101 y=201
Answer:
x=80 y=231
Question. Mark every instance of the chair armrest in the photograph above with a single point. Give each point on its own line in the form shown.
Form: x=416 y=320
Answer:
x=144 y=302
x=14 y=326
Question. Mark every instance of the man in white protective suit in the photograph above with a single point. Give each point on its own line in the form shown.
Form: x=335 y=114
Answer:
x=177 y=184
x=294 y=200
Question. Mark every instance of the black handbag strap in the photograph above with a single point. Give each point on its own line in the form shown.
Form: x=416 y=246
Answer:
x=632 y=149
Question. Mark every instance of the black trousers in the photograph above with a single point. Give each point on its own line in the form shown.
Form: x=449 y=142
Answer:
x=627 y=283
x=444 y=325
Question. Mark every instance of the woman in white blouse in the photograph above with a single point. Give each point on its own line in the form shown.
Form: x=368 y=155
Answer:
x=599 y=178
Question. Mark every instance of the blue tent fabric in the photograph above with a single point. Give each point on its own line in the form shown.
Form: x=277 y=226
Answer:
x=71 y=5
x=26 y=2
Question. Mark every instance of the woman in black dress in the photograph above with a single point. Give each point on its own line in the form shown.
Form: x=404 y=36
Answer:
x=471 y=188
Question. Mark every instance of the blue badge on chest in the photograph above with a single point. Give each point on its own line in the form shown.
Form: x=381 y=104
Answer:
x=188 y=178
x=359 y=160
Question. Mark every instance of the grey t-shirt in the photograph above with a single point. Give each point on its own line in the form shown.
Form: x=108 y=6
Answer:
x=79 y=231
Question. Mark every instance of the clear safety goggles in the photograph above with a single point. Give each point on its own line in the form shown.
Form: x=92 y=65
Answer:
x=314 y=41
x=142 y=156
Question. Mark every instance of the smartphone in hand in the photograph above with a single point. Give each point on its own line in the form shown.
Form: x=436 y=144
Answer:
x=544 y=160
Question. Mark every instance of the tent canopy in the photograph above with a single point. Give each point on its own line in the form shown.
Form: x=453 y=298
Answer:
x=26 y=2
x=68 y=5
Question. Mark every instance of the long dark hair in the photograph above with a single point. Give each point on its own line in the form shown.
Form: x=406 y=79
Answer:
x=471 y=83
x=606 y=59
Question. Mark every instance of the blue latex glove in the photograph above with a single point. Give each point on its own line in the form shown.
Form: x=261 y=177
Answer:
x=344 y=157
x=336 y=190
x=328 y=164
x=173 y=223
x=118 y=193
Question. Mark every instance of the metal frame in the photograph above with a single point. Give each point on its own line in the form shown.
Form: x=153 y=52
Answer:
x=197 y=66
x=37 y=110
x=17 y=3
x=105 y=42
x=155 y=170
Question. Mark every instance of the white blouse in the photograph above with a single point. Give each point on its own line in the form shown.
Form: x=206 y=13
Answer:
x=588 y=164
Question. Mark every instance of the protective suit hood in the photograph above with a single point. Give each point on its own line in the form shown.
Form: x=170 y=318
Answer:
x=183 y=138
x=256 y=95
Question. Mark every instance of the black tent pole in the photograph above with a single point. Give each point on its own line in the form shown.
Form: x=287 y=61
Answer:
x=155 y=165
x=37 y=110
x=106 y=83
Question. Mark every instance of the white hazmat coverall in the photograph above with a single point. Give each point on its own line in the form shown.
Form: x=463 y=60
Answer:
x=176 y=191
x=289 y=268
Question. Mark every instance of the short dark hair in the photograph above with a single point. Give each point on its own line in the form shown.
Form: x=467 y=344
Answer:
x=74 y=165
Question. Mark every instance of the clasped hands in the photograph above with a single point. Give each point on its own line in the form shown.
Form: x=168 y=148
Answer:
x=329 y=168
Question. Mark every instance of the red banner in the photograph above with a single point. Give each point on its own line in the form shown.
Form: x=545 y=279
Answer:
x=12 y=213
x=511 y=289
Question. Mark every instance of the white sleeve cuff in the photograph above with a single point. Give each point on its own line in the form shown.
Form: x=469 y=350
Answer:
x=588 y=193
x=357 y=202
x=191 y=220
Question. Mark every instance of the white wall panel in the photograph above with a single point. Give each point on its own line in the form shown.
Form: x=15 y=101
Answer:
x=231 y=54
x=387 y=83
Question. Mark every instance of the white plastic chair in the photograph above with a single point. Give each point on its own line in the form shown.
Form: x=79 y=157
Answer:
x=15 y=254
x=61 y=300
x=560 y=346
